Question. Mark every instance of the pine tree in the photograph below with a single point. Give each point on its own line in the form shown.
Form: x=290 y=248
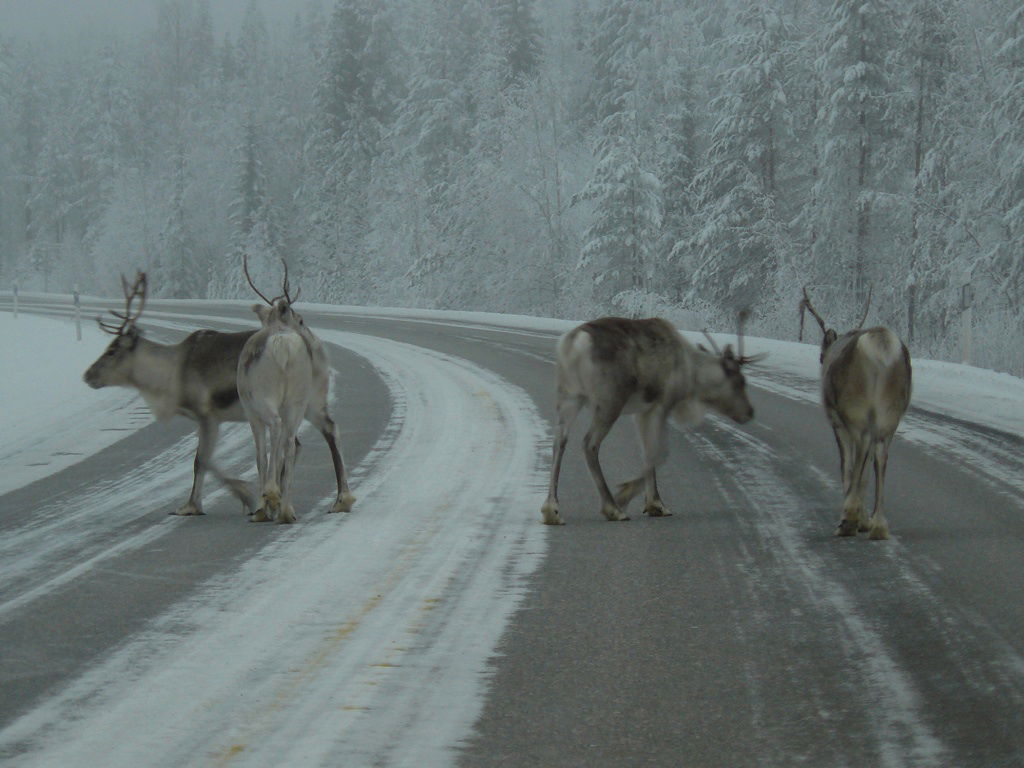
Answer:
x=854 y=126
x=620 y=245
x=253 y=46
x=355 y=104
x=928 y=50
x=519 y=38
x=737 y=188
x=177 y=273
x=1006 y=257
x=437 y=119
x=678 y=161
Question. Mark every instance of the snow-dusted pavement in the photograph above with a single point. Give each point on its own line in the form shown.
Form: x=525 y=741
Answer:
x=364 y=635
x=738 y=632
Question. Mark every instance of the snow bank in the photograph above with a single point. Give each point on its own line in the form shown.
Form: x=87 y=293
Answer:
x=50 y=418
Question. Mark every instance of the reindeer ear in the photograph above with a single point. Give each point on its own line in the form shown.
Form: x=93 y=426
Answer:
x=728 y=354
x=261 y=311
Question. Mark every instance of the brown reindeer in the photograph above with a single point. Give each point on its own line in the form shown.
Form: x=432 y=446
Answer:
x=617 y=365
x=865 y=387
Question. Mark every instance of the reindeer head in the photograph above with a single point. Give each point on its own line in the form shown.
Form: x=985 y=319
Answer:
x=279 y=309
x=829 y=335
x=113 y=367
x=727 y=393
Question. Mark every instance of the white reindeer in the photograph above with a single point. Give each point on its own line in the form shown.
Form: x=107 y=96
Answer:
x=197 y=378
x=865 y=387
x=317 y=413
x=615 y=365
x=275 y=384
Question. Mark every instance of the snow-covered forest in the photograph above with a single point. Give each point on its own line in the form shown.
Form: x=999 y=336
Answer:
x=557 y=157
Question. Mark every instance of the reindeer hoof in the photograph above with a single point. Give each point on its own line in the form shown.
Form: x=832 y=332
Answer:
x=260 y=516
x=189 y=510
x=549 y=512
x=343 y=503
x=878 y=532
x=657 y=509
x=614 y=515
x=286 y=516
x=847 y=528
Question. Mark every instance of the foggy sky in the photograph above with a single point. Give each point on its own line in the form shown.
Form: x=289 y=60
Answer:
x=55 y=19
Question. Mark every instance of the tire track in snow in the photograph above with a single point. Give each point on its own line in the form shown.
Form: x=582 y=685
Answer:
x=896 y=713
x=72 y=534
x=351 y=640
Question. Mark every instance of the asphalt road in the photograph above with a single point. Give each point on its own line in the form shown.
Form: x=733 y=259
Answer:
x=738 y=632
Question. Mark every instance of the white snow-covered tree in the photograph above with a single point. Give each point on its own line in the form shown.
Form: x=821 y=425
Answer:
x=1006 y=257
x=854 y=126
x=177 y=272
x=737 y=189
x=928 y=46
x=620 y=244
x=519 y=38
x=355 y=104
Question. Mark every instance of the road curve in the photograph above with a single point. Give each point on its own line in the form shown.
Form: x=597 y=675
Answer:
x=737 y=632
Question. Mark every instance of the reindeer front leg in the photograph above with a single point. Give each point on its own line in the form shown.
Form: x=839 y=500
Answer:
x=207 y=434
x=604 y=418
x=650 y=426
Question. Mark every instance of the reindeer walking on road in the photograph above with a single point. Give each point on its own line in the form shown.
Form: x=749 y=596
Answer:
x=275 y=384
x=616 y=365
x=197 y=378
x=865 y=387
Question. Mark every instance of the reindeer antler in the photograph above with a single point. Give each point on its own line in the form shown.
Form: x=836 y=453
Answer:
x=740 y=357
x=136 y=290
x=867 y=306
x=711 y=342
x=805 y=303
x=245 y=268
x=288 y=297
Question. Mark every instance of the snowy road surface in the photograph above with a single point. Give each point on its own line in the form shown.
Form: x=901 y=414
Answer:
x=441 y=624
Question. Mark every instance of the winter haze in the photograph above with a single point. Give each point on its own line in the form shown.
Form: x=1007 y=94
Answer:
x=564 y=158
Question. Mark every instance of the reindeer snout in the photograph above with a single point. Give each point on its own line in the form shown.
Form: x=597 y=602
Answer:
x=89 y=377
x=745 y=415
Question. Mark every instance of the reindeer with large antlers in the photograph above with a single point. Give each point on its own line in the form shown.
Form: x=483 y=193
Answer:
x=197 y=378
x=865 y=387
x=617 y=365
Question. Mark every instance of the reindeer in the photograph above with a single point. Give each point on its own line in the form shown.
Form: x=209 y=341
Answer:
x=865 y=387
x=275 y=384
x=615 y=365
x=196 y=378
x=316 y=412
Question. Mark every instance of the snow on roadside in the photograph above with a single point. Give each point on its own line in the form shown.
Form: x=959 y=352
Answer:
x=354 y=639
x=50 y=418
